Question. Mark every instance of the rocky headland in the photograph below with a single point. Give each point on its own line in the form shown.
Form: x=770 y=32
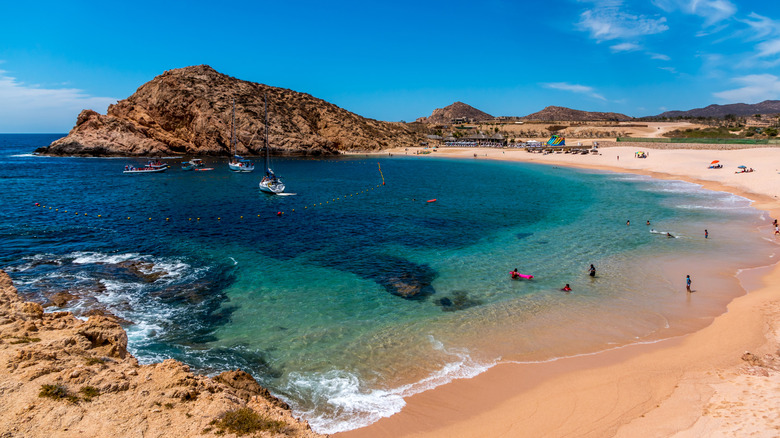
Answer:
x=61 y=376
x=458 y=110
x=189 y=111
x=559 y=113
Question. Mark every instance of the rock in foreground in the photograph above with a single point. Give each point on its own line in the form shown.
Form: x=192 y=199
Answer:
x=60 y=376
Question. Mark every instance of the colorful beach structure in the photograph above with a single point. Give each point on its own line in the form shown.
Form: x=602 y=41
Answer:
x=556 y=140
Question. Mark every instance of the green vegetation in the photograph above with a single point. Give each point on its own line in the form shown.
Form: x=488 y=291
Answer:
x=711 y=132
x=57 y=392
x=89 y=392
x=94 y=361
x=245 y=421
x=25 y=340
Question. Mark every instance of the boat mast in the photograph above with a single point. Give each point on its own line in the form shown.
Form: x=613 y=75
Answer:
x=265 y=105
x=233 y=128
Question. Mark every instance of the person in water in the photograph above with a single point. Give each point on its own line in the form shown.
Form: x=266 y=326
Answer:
x=628 y=222
x=592 y=270
x=669 y=235
x=515 y=274
x=566 y=288
x=648 y=222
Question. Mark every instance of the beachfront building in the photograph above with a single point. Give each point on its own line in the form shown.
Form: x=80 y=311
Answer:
x=478 y=139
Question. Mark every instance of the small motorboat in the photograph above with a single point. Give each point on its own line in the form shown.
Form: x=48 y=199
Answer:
x=193 y=164
x=130 y=170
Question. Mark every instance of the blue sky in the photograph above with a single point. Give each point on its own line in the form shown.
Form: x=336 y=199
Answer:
x=395 y=60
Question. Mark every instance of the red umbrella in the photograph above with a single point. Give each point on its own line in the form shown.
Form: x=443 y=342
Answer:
x=716 y=161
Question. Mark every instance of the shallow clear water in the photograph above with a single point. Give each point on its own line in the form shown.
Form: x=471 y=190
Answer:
x=309 y=303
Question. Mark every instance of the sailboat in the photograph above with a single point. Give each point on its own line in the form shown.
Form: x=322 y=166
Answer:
x=270 y=183
x=237 y=163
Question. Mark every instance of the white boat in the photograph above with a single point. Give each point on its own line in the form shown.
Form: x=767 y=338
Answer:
x=157 y=164
x=237 y=163
x=193 y=164
x=240 y=164
x=130 y=170
x=270 y=182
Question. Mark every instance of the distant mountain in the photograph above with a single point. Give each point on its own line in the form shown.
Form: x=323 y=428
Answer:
x=189 y=111
x=737 y=109
x=559 y=113
x=458 y=110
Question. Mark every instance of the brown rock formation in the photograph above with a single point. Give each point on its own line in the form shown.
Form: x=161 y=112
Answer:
x=458 y=110
x=559 y=113
x=60 y=376
x=188 y=111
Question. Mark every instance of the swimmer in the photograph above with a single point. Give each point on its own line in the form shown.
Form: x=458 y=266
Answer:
x=515 y=274
x=669 y=235
x=592 y=270
x=566 y=288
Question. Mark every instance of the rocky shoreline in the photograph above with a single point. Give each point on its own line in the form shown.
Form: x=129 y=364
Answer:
x=62 y=376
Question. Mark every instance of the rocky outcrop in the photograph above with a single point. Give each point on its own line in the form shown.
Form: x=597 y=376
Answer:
x=61 y=376
x=456 y=111
x=559 y=113
x=720 y=111
x=189 y=111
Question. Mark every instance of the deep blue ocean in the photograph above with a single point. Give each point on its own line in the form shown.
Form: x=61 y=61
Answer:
x=311 y=302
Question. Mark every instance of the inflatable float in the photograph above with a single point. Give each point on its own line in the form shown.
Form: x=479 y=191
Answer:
x=517 y=276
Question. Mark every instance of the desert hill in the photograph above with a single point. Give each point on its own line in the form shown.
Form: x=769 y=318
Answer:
x=719 y=111
x=188 y=111
x=558 y=113
x=458 y=110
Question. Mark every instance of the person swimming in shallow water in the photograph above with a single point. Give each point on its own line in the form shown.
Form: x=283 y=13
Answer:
x=592 y=270
x=566 y=288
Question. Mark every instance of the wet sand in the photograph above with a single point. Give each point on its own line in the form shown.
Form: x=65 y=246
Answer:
x=689 y=386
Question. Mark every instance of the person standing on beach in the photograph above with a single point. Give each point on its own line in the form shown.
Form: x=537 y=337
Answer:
x=592 y=270
x=706 y=234
x=688 y=283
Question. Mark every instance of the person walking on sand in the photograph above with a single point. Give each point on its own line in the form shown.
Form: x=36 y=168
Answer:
x=706 y=234
x=688 y=283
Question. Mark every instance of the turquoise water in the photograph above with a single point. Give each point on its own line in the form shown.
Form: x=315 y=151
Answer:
x=311 y=302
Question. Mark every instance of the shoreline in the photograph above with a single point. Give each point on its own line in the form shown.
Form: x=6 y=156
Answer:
x=669 y=387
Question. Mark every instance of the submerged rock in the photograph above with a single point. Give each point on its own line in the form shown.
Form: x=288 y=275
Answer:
x=459 y=301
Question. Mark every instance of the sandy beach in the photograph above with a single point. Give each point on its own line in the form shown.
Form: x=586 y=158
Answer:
x=720 y=381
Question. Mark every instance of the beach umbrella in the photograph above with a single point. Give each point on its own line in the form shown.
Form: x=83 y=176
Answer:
x=742 y=167
x=715 y=162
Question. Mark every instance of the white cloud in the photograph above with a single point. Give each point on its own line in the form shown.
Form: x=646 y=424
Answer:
x=606 y=22
x=755 y=88
x=713 y=11
x=31 y=108
x=768 y=48
x=625 y=47
x=760 y=26
x=669 y=69
x=659 y=56
x=574 y=88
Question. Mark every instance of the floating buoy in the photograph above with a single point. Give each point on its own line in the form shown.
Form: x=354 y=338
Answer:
x=431 y=200
x=279 y=213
